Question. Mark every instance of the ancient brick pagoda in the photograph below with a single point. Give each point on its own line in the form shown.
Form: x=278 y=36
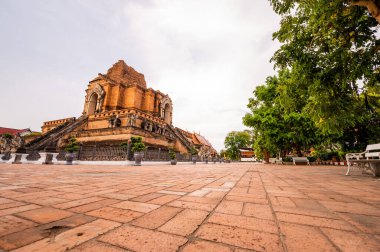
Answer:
x=118 y=105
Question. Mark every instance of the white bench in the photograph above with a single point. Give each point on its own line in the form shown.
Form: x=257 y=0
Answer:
x=272 y=160
x=279 y=161
x=371 y=157
x=300 y=160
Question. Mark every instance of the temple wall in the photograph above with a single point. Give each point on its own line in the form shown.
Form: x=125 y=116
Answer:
x=148 y=104
x=129 y=94
x=50 y=125
x=139 y=95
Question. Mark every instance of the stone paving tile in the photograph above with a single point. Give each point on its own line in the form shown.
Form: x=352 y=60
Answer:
x=72 y=237
x=200 y=245
x=10 y=224
x=293 y=210
x=171 y=192
x=139 y=239
x=286 y=202
x=216 y=195
x=12 y=204
x=308 y=204
x=119 y=196
x=136 y=206
x=146 y=197
x=18 y=209
x=185 y=222
x=79 y=202
x=95 y=246
x=45 y=214
x=93 y=205
x=5 y=201
x=230 y=207
x=315 y=221
x=245 y=199
x=72 y=196
x=239 y=237
x=348 y=241
x=348 y=207
x=365 y=223
x=258 y=211
x=305 y=238
x=164 y=199
x=115 y=214
x=202 y=200
x=215 y=207
x=26 y=236
x=157 y=217
x=243 y=222
x=49 y=201
x=199 y=193
x=192 y=205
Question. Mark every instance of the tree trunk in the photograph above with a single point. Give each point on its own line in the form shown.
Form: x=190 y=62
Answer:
x=373 y=7
x=266 y=157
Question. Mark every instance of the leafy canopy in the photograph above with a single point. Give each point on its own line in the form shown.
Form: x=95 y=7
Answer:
x=332 y=50
x=236 y=140
x=277 y=119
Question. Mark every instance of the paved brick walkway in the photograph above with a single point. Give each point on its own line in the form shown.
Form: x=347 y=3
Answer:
x=224 y=207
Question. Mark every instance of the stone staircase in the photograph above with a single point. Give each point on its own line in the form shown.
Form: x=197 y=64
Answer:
x=181 y=137
x=50 y=139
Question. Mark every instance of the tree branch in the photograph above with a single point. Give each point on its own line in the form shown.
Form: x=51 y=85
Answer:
x=371 y=5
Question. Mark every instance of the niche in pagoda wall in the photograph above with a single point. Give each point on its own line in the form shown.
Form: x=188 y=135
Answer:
x=166 y=109
x=94 y=100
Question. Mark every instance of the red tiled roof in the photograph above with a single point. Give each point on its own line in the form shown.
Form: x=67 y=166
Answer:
x=202 y=140
x=11 y=131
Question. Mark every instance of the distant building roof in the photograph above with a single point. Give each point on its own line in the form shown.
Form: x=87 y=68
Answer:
x=14 y=131
x=246 y=149
x=202 y=140
x=197 y=139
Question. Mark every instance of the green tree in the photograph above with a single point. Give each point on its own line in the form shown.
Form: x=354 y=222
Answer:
x=236 y=140
x=277 y=119
x=332 y=50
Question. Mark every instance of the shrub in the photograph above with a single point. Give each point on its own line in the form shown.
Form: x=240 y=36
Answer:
x=172 y=153
x=72 y=146
x=287 y=159
x=194 y=151
x=342 y=155
x=137 y=144
x=311 y=159
x=7 y=136
x=124 y=144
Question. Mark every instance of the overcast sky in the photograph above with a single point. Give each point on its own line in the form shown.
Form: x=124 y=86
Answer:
x=208 y=55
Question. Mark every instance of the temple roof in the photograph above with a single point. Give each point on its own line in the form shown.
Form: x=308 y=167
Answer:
x=121 y=73
x=13 y=131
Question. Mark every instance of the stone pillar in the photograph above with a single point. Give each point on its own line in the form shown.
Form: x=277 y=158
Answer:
x=54 y=159
x=23 y=158
x=129 y=154
x=42 y=159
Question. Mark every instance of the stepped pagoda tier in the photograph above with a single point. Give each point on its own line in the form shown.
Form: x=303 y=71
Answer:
x=117 y=106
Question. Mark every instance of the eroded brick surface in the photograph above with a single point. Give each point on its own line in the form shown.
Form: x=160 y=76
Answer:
x=139 y=239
